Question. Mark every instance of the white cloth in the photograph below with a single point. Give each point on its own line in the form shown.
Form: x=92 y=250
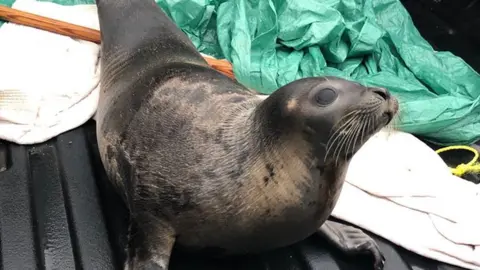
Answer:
x=399 y=188
x=48 y=82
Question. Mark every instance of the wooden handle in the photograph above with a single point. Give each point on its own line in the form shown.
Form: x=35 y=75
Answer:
x=79 y=32
x=48 y=24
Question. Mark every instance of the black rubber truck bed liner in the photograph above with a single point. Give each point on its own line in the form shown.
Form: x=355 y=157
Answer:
x=58 y=211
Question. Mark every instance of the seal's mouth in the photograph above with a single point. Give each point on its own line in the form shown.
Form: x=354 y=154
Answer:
x=387 y=117
x=391 y=111
x=349 y=155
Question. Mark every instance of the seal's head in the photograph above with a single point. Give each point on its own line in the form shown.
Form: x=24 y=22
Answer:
x=335 y=115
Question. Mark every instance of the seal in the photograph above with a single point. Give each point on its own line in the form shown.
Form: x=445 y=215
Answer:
x=205 y=164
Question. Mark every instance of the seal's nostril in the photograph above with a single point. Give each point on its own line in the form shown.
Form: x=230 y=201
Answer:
x=382 y=92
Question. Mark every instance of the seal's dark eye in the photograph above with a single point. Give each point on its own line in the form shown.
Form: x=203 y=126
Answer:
x=325 y=96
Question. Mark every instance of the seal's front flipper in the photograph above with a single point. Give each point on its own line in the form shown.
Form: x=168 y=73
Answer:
x=149 y=248
x=148 y=265
x=352 y=241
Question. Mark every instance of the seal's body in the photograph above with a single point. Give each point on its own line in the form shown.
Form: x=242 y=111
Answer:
x=205 y=163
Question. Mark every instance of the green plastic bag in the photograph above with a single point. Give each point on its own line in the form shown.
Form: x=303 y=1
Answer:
x=373 y=42
x=273 y=42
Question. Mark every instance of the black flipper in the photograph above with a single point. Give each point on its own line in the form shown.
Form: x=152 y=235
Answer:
x=137 y=33
x=352 y=241
x=149 y=247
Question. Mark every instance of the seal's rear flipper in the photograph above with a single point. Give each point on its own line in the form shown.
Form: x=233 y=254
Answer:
x=351 y=241
x=140 y=30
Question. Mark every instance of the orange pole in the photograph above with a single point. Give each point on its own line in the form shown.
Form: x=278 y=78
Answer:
x=79 y=32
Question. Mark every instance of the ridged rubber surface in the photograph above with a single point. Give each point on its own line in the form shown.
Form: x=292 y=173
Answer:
x=57 y=211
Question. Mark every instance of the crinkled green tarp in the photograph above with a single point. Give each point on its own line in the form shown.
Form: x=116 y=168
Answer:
x=273 y=42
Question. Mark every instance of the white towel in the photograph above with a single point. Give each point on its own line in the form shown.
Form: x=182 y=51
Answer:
x=48 y=82
x=399 y=188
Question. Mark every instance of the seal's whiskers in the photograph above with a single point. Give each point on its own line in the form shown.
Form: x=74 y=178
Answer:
x=336 y=134
x=350 y=131
x=343 y=132
x=345 y=136
x=359 y=130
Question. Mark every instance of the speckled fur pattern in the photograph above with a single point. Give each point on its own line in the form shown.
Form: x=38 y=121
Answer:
x=201 y=161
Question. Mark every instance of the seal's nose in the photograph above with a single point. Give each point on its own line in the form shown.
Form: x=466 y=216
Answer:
x=382 y=92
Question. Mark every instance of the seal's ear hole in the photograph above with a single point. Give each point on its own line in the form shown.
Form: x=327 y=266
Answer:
x=325 y=96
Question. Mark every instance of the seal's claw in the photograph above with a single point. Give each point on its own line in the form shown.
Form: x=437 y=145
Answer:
x=379 y=263
x=352 y=241
x=371 y=247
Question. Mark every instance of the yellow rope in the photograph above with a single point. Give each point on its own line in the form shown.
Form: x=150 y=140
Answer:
x=471 y=167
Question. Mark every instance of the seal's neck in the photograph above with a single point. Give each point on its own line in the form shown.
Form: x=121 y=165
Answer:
x=272 y=125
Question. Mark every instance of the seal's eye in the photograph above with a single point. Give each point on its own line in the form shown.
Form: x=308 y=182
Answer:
x=325 y=96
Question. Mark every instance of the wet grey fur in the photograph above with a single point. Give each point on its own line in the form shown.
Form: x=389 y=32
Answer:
x=205 y=164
